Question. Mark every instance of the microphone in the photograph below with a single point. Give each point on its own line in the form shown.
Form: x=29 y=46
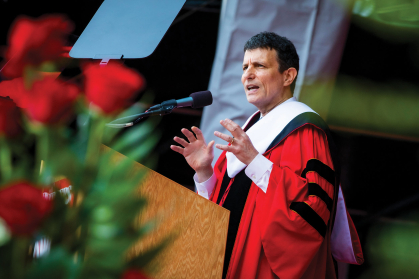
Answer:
x=195 y=100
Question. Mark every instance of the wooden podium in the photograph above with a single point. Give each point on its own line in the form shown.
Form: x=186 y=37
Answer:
x=200 y=227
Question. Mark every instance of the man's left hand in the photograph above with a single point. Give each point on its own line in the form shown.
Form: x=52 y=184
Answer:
x=241 y=146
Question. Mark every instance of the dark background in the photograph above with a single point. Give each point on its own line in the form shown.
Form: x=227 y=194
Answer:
x=379 y=175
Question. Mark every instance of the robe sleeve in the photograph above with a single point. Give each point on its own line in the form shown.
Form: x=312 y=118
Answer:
x=294 y=212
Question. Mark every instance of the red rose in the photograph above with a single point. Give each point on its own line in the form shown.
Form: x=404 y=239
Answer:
x=23 y=207
x=111 y=87
x=49 y=101
x=133 y=274
x=33 y=41
x=14 y=89
x=66 y=51
x=10 y=118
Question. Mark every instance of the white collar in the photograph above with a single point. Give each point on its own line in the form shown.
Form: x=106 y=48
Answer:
x=263 y=132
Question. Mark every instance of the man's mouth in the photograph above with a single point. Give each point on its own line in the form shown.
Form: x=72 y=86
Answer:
x=252 y=88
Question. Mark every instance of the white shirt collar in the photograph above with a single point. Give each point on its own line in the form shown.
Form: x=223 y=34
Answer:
x=263 y=132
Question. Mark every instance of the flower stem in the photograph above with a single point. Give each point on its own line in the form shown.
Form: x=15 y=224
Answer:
x=42 y=154
x=5 y=160
x=95 y=139
x=19 y=251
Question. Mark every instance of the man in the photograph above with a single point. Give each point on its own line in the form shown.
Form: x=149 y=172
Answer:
x=276 y=175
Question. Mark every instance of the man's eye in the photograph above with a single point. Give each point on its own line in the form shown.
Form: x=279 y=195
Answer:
x=244 y=68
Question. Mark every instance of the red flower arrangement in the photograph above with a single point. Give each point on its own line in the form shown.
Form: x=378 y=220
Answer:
x=111 y=87
x=34 y=41
x=63 y=151
x=23 y=207
x=10 y=118
x=49 y=101
x=14 y=89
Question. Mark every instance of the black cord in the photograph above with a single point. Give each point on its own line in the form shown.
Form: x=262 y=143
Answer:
x=139 y=117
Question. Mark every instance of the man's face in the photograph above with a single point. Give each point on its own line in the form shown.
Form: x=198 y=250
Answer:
x=262 y=81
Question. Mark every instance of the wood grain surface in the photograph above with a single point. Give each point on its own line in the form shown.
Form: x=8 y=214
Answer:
x=199 y=227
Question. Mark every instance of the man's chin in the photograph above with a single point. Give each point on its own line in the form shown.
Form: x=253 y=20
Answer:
x=253 y=101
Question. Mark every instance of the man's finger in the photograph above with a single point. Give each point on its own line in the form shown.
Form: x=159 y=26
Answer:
x=211 y=144
x=223 y=147
x=177 y=149
x=189 y=135
x=198 y=133
x=181 y=141
x=232 y=127
x=222 y=136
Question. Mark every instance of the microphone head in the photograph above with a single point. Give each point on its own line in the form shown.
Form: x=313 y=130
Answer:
x=201 y=99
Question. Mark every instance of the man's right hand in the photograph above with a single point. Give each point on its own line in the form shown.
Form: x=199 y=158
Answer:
x=197 y=153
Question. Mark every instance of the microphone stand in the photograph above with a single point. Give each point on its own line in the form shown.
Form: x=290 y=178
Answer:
x=164 y=109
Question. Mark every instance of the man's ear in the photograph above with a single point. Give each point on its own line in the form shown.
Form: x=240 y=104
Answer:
x=289 y=76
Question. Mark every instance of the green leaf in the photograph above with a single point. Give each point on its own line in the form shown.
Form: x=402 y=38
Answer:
x=134 y=135
x=57 y=264
x=48 y=66
x=111 y=133
x=144 y=148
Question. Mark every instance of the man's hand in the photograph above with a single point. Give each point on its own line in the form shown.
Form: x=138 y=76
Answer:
x=242 y=147
x=197 y=153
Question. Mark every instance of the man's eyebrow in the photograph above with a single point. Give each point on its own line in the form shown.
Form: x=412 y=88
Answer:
x=257 y=62
x=253 y=62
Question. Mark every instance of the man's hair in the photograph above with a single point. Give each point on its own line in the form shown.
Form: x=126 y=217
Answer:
x=286 y=53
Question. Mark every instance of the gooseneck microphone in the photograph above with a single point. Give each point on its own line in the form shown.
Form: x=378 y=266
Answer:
x=195 y=100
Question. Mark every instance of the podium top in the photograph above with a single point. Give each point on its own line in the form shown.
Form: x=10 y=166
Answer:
x=128 y=29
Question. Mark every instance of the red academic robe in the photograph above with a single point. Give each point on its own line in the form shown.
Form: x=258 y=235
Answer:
x=273 y=240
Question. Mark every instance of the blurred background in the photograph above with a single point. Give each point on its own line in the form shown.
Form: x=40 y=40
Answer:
x=359 y=70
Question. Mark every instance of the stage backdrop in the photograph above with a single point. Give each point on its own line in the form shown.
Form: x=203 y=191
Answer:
x=318 y=29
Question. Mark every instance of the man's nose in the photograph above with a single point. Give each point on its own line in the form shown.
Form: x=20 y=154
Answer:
x=249 y=73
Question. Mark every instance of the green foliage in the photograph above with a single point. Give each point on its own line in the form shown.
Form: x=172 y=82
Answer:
x=90 y=238
x=58 y=264
x=403 y=13
x=393 y=249
x=394 y=20
x=365 y=105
